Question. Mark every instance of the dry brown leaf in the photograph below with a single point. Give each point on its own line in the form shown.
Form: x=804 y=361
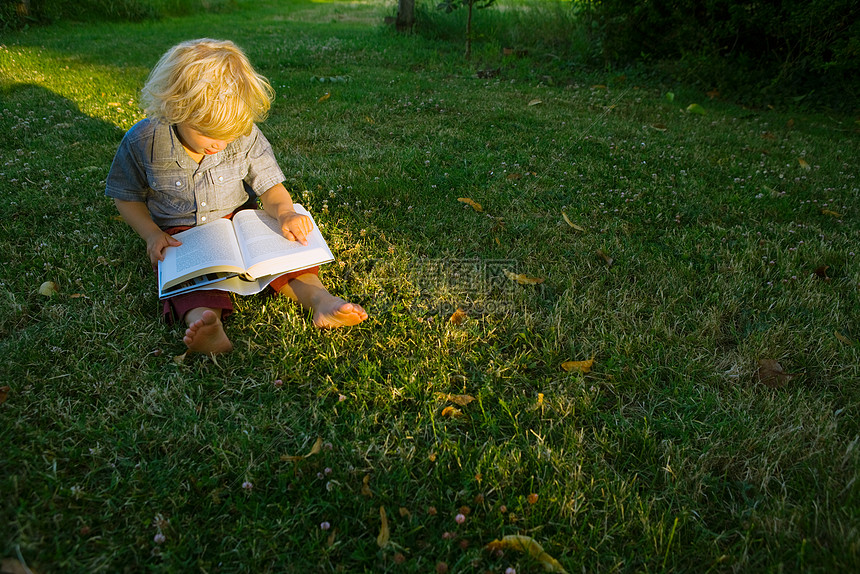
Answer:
x=523 y=279
x=451 y=412
x=314 y=450
x=404 y=513
x=432 y=457
x=572 y=224
x=4 y=393
x=470 y=202
x=831 y=213
x=606 y=258
x=458 y=316
x=514 y=176
x=535 y=102
x=581 y=366
x=803 y=163
x=659 y=127
x=384 y=535
x=531 y=547
x=821 y=272
x=324 y=97
x=598 y=87
x=842 y=338
x=713 y=94
x=771 y=373
x=179 y=359
x=330 y=541
x=365 y=487
x=461 y=400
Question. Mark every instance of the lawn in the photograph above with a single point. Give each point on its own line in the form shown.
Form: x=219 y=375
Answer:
x=636 y=344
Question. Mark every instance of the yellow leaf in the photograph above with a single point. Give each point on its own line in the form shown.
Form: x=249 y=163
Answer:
x=830 y=213
x=572 y=224
x=458 y=316
x=531 y=547
x=451 y=412
x=474 y=204
x=324 y=97
x=48 y=289
x=803 y=163
x=365 y=487
x=696 y=109
x=384 y=535
x=461 y=400
x=581 y=366
x=314 y=450
x=535 y=102
x=523 y=279
x=659 y=127
x=179 y=359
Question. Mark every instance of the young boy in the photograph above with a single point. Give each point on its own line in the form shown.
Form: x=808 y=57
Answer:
x=199 y=156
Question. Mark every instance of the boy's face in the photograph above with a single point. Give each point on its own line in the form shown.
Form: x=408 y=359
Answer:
x=198 y=143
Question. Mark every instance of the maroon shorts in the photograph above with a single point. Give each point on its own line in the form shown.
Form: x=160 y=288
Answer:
x=175 y=308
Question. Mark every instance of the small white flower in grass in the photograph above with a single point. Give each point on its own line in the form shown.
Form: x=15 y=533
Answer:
x=159 y=538
x=325 y=525
x=247 y=485
x=510 y=570
x=460 y=519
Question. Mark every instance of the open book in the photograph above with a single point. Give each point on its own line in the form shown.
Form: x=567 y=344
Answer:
x=243 y=255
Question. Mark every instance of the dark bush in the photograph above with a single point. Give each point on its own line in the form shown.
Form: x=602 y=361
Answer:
x=781 y=45
x=17 y=13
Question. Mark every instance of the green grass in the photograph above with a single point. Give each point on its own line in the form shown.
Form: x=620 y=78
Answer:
x=667 y=456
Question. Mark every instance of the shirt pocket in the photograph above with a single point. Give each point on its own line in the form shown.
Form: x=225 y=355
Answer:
x=227 y=183
x=172 y=193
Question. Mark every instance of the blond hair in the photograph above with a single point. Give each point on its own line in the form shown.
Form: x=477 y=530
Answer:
x=211 y=86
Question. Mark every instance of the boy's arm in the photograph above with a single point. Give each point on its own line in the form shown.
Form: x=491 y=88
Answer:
x=136 y=214
x=278 y=203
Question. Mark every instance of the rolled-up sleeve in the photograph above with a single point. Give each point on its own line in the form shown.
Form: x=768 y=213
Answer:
x=263 y=170
x=126 y=179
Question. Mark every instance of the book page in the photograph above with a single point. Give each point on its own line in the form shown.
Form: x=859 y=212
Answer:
x=207 y=247
x=266 y=251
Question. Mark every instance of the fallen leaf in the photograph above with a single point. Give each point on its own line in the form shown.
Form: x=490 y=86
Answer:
x=451 y=412
x=431 y=457
x=606 y=258
x=474 y=204
x=458 y=316
x=842 y=338
x=12 y=566
x=821 y=272
x=523 y=279
x=404 y=513
x=461 y=400
x=4 y=393
x=331 y=537
x=314 y=450
x=803 y=163
x=514 y=176
x=696 y=109
x=830 y=213
x=713 y=94
x=324 y=97
x=659 y=127
x=535 y=102
x=531 y=547
x=570 y=223
x=771 y=373
x=790 y=123
x=384 y=535
x=598 y=87
x=581 y=366
x=365 y=487
x=179 y=359
x=48 y=289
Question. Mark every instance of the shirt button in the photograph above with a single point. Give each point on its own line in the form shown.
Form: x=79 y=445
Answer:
x=220 y=178
x=178 y=184
x=203 y=218
x=202 y=204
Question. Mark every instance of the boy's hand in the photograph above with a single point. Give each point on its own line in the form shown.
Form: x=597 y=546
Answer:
x=296 y=227
x=157 y=243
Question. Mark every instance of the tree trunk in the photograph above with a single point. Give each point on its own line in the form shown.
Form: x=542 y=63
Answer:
x=405 y=15
x=469 y=33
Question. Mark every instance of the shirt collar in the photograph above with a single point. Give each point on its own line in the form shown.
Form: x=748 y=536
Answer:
x=167 y=147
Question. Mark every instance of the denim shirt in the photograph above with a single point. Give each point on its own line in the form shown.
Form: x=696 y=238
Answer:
x=151 y=166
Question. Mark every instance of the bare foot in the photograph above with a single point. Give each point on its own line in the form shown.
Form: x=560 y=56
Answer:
x=335 y=312
x=206 y=334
